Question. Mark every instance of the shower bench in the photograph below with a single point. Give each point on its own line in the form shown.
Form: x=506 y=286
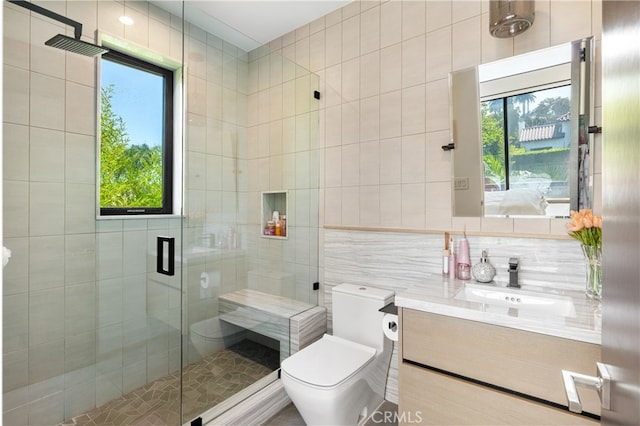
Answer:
x=293 y=323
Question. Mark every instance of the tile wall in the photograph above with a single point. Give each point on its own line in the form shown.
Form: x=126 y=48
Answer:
x=383 y=68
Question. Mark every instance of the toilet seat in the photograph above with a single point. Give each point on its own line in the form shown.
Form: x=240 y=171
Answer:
x=328 y=362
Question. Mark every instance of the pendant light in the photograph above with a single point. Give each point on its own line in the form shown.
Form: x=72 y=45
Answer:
x=508 y=18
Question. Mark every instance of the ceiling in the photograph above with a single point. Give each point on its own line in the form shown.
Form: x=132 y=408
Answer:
x=249 y=24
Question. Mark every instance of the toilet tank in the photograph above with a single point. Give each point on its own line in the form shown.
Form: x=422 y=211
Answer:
x=356 y=315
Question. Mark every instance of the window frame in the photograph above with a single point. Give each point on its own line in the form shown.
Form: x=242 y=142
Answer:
x=168 y=142
x=503 y=98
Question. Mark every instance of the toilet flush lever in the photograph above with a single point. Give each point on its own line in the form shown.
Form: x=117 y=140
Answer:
x=601 y=383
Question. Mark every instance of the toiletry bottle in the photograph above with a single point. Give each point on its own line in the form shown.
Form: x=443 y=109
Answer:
x=445 y=255
x=464 y=260
x=283 y=226
x=452 y=259
x=483 y=272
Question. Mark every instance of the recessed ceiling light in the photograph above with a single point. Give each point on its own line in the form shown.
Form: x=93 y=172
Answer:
x=125 y=20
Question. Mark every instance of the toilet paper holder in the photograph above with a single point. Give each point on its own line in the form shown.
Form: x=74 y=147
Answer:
x=391 y=308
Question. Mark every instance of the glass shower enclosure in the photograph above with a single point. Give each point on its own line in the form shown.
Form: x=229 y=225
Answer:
x=91 y=329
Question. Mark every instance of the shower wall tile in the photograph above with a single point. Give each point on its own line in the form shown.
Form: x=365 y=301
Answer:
x=47 y=155
x=80 y=260
x=15 y=374
x=79 y=398
x=16 y=47
x=45 y=60
x=80 y=350
x=15 y=275
x=46 y=317
x=46 y=360
x=15 y=95
x=15 y=140
x=85 y=12
x=47 y=410
x=15 y=209
x=109 y=246
x=80 y=208
x=47 y=102
x=80 y=158
x=108 y=386
x=80 y=309
x=46 y=262
x=134 y=252
x=46 y=213
x=108 y=14
x=15 y=322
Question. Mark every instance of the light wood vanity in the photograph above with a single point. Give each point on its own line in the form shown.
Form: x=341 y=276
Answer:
x=460 y=371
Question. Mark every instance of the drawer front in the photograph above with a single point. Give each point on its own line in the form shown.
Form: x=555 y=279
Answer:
x=431 y=398
x=530 y=363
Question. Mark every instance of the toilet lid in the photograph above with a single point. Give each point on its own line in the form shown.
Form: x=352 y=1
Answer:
x=328 y=361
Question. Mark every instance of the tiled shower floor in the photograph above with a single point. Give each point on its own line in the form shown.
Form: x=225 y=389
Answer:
x=206 y=383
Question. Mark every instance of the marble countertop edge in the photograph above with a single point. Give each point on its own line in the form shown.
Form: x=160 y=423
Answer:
x=436 y=296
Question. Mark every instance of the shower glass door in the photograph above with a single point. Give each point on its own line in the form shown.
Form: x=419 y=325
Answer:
x=91 y=332
x=250 y=152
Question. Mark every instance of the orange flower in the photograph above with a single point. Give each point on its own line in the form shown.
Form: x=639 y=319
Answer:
x=586 y=227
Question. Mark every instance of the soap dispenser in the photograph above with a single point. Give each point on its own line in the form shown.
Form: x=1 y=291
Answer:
x=483 y=271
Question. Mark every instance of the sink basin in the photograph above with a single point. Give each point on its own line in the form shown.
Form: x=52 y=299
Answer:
x=524 y=301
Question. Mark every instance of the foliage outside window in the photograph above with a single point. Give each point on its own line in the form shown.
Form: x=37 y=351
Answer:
x=136 y=133
x=526 y=142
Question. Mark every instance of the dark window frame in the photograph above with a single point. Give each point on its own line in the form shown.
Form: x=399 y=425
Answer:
x=167 y=143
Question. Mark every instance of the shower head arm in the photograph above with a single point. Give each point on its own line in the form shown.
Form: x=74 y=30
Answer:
x=77 y=26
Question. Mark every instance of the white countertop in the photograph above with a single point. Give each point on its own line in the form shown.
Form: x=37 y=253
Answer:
x=437 y=295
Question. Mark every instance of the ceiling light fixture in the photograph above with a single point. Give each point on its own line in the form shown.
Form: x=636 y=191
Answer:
x=125 y=20
x=508 y=18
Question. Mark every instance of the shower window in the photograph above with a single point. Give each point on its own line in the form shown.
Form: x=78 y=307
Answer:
x=136 y=136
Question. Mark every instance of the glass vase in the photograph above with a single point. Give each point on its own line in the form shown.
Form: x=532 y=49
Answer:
x=593 y=263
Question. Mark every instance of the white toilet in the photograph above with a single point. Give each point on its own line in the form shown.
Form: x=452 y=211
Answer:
x=212 y=335
x=340 y=379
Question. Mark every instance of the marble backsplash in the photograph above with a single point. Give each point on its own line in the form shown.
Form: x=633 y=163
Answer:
x=397 y=260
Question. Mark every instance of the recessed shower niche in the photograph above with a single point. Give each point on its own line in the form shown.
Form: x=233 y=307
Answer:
x=274 y=214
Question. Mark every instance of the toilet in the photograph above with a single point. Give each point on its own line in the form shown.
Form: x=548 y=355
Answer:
x=340 y=379
x=212 y=335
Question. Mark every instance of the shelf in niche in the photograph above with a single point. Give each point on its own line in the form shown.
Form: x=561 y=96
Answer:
x=274 y=201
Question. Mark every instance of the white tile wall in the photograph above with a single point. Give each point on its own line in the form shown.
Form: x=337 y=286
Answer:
x=408 y=48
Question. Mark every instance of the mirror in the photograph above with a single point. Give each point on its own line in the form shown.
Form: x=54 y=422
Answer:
x=519 y=129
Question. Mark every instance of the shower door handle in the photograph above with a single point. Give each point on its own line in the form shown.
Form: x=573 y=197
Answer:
x=170 y=242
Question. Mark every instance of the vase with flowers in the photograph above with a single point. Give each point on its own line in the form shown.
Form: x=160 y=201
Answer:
x=587 y=228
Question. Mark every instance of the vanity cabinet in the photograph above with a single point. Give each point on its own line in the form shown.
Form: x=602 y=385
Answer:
x=456 y=371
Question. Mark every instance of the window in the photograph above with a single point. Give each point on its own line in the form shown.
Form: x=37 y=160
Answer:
x=526 y=142
x=136 y=137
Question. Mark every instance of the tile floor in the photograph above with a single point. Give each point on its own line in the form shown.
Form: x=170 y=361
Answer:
x=206 y=383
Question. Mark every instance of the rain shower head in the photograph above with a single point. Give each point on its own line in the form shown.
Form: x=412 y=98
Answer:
x=60 y=41
x=74 y=45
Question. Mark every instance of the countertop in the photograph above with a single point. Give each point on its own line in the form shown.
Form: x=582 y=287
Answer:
x=437 y=294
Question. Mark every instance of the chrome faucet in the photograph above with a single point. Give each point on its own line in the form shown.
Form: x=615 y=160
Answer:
x=514 y=266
